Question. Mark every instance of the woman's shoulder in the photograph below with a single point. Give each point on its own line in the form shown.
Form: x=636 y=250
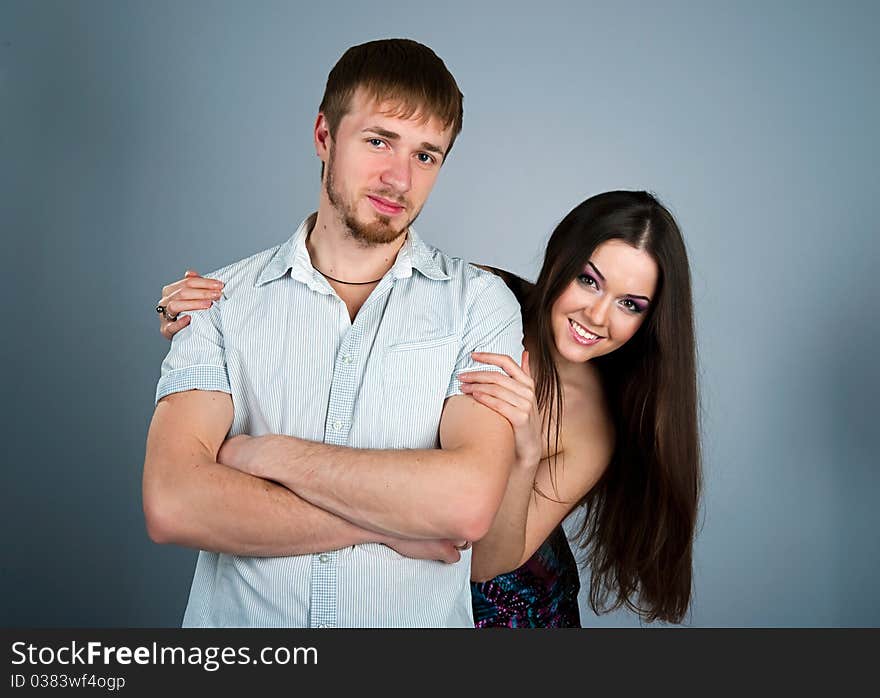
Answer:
x=586 y=439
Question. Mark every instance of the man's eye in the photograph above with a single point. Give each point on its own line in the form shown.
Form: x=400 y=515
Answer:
x=376 y=142
x=426 y=159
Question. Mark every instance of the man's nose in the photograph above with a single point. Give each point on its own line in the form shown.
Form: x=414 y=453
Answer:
x=398 y=173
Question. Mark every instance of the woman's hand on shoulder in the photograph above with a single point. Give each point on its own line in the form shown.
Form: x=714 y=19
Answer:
x=512 y=395
x=192 y=292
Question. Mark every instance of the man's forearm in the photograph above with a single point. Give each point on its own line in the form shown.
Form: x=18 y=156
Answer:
x=212 y=507
x=407 y=493
x=448 y=493
x=190 y=499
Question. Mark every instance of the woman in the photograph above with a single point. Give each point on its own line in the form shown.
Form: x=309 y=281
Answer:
x=604 y=412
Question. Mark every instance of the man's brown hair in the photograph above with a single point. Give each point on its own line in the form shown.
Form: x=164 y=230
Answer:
x=403 y=72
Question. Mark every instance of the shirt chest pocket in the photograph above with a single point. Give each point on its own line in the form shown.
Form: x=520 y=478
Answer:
x=415 y=376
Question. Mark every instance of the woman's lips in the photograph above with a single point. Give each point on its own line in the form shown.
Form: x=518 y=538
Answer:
x=384 y=206
x=585 y=341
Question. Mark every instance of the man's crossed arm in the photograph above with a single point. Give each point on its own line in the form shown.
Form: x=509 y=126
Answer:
x=334 y=496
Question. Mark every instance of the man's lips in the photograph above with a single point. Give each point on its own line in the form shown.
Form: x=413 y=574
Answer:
x=385 y=206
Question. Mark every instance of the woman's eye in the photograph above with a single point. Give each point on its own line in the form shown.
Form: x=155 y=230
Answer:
x=631 y=305
x=588 y=280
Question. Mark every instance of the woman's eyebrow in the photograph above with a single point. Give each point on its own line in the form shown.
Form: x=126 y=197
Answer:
x=629 y=295
x=596 y=269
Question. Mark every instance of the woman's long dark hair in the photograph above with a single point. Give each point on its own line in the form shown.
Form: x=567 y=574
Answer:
x=640 y=517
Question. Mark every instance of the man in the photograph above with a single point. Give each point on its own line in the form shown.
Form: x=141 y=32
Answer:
x=331 y=360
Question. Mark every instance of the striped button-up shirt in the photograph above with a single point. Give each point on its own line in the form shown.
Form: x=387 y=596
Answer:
x=281 y=342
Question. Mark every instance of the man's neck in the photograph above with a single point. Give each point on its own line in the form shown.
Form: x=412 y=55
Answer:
x=336 y=253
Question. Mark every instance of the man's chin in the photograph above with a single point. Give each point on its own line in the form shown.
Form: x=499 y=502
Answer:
x=378 y=232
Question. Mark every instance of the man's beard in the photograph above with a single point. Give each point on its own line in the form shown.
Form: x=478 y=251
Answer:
x=379 y=232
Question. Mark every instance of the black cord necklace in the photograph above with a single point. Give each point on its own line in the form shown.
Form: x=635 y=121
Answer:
x=347 y=283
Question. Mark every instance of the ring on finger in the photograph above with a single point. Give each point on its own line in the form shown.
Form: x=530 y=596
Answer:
x=163 y=311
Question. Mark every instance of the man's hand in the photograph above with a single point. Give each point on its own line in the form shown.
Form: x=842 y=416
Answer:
x=242 y=453
x=440 y=550
x=256 y=455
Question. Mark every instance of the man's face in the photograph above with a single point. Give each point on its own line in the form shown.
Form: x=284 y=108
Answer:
x=380 y=169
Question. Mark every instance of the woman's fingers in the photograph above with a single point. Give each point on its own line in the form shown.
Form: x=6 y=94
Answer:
x=520 y=387
x=169 y=329
x=502 y=361
x=500 y=393
x=176 y=307
x=512 y=398
x=502 y=407
x=191 y=294
x=192 y=281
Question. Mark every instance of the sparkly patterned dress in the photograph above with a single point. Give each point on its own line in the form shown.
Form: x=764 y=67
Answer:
x=540 y=594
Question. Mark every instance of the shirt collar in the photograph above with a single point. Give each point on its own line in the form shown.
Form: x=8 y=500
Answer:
x=415 y=254
x=293 y=256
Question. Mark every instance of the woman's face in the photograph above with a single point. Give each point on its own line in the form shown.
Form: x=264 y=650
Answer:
x=606 y=304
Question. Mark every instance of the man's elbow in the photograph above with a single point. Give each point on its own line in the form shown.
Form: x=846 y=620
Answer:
x=475 y=516
x=473 y=527
x=160 y=513
x=462 y=516
x=475 y=511
x=158 y=521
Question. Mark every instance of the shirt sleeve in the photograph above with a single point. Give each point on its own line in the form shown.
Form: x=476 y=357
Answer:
x=197 y=358
x=493 y=324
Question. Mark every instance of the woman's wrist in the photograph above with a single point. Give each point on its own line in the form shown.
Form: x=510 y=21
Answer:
x=528 y=463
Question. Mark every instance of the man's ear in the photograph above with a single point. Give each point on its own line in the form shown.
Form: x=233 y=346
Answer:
x=322 y=138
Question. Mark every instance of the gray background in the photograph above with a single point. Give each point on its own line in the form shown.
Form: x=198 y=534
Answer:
x=141 y=138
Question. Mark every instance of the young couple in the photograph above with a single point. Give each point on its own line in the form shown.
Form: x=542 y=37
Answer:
x=347 y=426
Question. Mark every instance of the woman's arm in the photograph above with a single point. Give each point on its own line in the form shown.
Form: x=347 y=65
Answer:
x=541 y=494
x=581 y=464
x=502 y=548
x=512 y=395
x=494 y=556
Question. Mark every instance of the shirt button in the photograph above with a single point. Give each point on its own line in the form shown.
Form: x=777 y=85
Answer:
x=346 y=359
x=324 y=558
x=337 y=425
